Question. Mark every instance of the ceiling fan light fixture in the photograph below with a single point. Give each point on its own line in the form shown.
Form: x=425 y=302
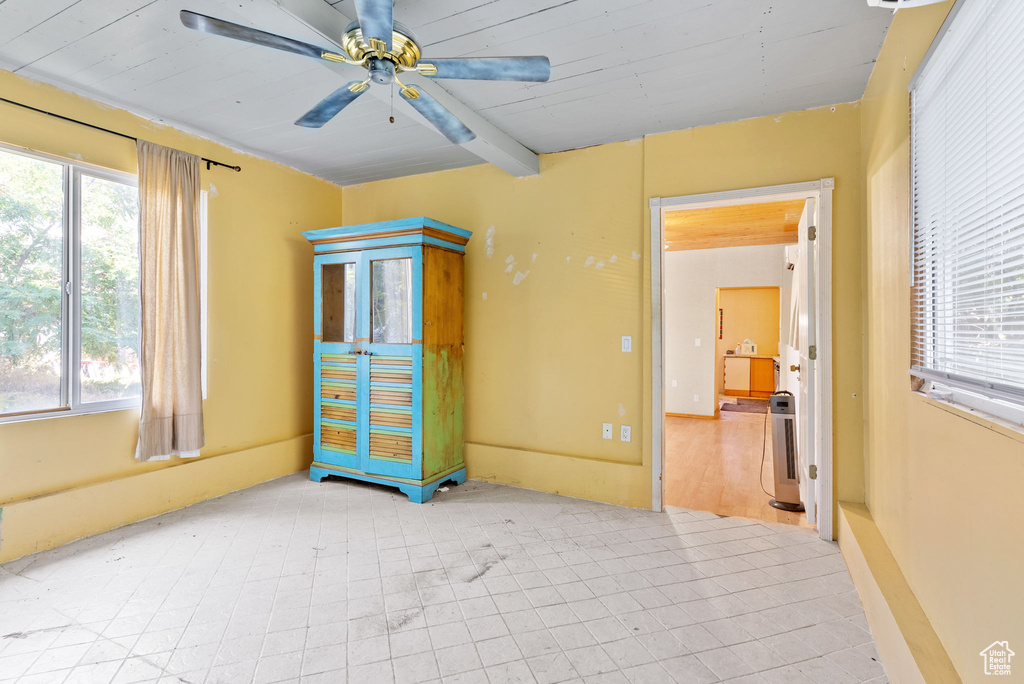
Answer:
x=382 y=71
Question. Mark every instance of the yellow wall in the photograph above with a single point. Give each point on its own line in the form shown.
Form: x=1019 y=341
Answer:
x=259 y=410
x=531 y=346
x=944 y=487
x=747 y=312
x=750 y=312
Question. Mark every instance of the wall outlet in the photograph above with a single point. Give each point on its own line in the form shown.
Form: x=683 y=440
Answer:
x=627 y=343
x=606 y=430
x=675 y=384
x=624 y=435
x=696 y=342
x=696 y=397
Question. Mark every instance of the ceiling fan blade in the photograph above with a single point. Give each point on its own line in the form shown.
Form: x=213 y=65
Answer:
x=376 y=19
x=443 y=120
x=492 y=68
x=201 y=22
x=329 y=107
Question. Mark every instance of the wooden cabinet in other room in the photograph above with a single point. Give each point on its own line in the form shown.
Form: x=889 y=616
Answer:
x=749 y=376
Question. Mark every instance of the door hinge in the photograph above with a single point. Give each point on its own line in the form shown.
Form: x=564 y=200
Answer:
x=812 y=472
x=812 y=353
x=812 y=232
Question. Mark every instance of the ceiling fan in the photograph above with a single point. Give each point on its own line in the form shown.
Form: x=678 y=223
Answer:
x=385 y=48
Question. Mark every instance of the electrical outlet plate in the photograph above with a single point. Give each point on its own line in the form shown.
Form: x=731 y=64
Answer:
x=606 y=430
x=627 y=343
x=624 y=435
x=696 y=342
x=696 y=397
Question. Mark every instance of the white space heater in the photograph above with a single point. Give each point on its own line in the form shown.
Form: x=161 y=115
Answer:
x=782 y=407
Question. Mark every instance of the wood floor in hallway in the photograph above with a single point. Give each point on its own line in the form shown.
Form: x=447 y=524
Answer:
x=712 y=465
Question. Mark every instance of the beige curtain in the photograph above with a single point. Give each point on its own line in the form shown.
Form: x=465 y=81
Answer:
x=172 y=401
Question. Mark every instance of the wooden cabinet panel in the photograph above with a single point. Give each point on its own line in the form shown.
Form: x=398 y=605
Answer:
x=737 y=376
x=762 y=377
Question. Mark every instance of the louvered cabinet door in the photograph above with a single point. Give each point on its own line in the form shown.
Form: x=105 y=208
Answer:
x=394 y=363
x=336 y=282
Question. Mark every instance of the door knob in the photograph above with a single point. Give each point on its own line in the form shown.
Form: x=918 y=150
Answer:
x=795 y=369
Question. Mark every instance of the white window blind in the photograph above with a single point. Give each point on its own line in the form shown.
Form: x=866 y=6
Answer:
x=968 y=202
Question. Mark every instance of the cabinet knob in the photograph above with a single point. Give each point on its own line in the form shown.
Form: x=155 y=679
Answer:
x=795 y=369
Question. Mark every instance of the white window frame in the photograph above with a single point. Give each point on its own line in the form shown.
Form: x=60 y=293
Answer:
x=71 y=320
x=991 y=402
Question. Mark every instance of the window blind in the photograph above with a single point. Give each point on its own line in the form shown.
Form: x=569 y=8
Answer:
x=967 y=146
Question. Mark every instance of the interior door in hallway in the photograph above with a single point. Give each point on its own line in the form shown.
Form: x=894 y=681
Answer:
x=806 y=407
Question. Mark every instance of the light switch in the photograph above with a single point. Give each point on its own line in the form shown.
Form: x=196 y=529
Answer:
x=627 y=343
x=696 y=342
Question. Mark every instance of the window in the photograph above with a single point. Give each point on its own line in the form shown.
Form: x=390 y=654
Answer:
x=968 y=206
x=69 y=287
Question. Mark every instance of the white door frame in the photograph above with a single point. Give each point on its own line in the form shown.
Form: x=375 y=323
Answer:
x=821 y=190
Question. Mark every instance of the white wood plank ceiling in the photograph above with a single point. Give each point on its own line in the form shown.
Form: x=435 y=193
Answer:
x=621 y=69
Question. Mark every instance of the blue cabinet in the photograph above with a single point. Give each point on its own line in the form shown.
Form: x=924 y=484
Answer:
x=388 y=345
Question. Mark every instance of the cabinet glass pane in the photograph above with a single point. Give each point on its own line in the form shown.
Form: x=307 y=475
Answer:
x=339 y=303
x=391 y=302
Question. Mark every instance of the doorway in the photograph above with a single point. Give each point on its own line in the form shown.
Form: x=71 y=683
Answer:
x=736 y=245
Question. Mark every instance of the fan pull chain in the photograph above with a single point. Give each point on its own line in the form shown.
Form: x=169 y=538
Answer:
x=392 y=117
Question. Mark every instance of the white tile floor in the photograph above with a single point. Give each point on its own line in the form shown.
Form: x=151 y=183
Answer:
x=334 y=582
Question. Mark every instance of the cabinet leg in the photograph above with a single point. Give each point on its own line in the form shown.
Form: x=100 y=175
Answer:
x=425 y=493
x=418 y=494
x=318 y=474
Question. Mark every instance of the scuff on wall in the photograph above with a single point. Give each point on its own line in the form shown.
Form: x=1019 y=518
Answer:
x=489 y=242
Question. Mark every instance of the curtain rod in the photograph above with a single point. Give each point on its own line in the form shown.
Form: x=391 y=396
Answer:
x=209 y=162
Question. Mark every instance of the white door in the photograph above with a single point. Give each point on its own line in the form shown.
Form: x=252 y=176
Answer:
x=806 y=443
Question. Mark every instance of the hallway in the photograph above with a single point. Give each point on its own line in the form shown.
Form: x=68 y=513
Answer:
x=712 y=465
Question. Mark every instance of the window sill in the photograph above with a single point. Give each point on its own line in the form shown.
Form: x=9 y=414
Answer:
x=103 y=407
x=977 y=416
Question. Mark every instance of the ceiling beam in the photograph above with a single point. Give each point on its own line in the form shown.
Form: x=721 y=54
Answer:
x=491 y=143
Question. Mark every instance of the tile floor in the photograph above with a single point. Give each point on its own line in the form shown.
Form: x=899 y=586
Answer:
x=344 y=582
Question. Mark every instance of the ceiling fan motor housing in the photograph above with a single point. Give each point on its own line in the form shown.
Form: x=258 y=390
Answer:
x=405 y=51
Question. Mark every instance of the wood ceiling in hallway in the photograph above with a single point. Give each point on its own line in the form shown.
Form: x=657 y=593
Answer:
x=765 y=223
x=621 y=69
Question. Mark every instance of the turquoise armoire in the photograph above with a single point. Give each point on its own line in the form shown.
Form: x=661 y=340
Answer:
x=387 y=351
